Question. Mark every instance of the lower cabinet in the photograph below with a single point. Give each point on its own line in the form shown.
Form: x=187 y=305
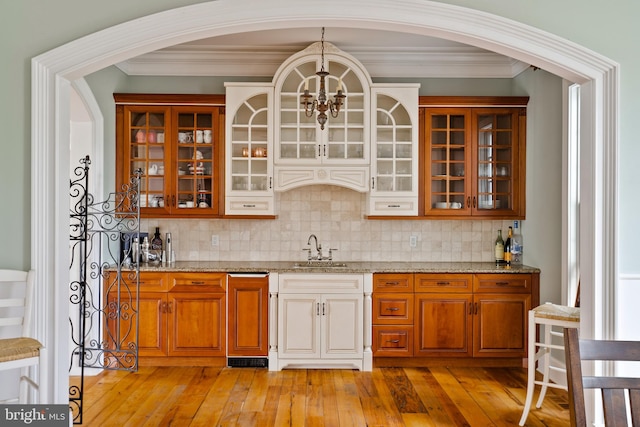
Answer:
x=456 y=315
x=320 y=320
x=179 y=314
x=248 y=333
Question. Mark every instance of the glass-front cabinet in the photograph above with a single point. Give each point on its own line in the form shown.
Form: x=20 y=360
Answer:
x=177 y=148
x=249 y=166
x=474 y=159
x=304 y=152
x=394 y=156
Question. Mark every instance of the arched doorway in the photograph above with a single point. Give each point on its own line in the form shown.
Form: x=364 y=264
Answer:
x=54 y=71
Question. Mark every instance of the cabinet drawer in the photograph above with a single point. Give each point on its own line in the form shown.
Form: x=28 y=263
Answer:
x=149 y=281
x=393 y=341
x=443 y=283
x=393 y=309
x=503 y=283
x=209 y=282
x=393 y=282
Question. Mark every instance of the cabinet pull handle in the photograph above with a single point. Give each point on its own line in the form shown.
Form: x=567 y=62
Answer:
x=170 y=307
x=373 y=183
x=392 y=309
x=319 y=150
x=468 y=202
x=173 y=200
x=324 y=150
x=474 y=201
x=193 y=282
x=475 y=308
x=323 y=306
x=393 y=341
x=392 y=283
x=442 y=283
x=317 y=309
x=393 y=206
x=471 y=308
x=248 y=206
x=502 y=283
x=270 y=182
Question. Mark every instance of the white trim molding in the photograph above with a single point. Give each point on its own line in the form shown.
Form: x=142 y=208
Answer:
x=53 y=71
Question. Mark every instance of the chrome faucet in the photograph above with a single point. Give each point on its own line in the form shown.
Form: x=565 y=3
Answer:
x=318 y=248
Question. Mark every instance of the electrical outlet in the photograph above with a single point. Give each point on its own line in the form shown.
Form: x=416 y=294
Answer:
x=413 y=241
x=215 y=240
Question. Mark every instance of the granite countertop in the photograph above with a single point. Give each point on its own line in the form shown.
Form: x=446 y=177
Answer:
x=351 y=267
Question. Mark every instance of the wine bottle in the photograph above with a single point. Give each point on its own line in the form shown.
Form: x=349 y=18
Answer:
x=499 y=248
x=507 y=247
x=516 y=245
x=156 y=242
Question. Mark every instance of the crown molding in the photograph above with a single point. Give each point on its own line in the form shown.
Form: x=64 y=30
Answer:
x=249 y=61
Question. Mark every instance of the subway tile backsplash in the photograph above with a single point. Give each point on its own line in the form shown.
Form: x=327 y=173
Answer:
x=337 y=217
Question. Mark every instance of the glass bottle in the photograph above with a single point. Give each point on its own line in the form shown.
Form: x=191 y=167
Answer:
x=499 y=248
x=156 y=242
x=507 y=247
x=517 y=249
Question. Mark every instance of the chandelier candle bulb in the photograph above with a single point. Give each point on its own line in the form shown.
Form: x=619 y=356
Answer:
x=306 y=85
x=339 y=89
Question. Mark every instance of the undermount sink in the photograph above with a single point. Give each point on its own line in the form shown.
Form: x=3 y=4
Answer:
x=319 y=264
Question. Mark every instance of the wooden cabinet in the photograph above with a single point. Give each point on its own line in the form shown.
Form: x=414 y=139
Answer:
x=179 y=314
x=474 y=156
x=394 y=153
x=248 y=315
x=320 y=320
x=249 y=154
x=177 y=141
x=443 y=318
x=393 y=315
x=455 y=315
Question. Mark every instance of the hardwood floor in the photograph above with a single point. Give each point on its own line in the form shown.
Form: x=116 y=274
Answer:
x=213 y=396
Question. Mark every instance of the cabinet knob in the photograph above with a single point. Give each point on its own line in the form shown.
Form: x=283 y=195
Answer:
x=392 y=309
x=442 y=283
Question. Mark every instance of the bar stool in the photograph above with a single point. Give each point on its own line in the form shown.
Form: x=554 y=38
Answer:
x=548 y=316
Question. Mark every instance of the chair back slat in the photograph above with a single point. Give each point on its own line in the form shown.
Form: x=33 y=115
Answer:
x=612 y=389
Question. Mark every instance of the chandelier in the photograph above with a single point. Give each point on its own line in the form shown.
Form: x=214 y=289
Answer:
x=322 y=105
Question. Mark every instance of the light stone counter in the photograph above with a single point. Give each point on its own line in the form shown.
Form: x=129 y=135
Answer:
x=351 y=267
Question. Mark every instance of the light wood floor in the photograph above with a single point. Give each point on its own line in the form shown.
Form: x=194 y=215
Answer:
x=213 y=396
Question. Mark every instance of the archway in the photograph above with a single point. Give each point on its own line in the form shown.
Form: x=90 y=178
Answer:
x=53 y=72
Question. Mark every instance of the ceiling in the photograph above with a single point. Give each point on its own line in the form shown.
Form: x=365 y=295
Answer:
x=383 y=54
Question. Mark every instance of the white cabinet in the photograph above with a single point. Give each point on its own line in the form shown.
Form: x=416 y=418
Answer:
x=249 y=168
x=322 y=319
x=394 y=157
x=306 y=154
x=315 y=326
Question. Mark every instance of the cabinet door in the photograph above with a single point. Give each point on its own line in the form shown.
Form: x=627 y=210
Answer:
x=448 y=171
x=248 y=329
x=299 y=326
x=342 y=319
x=394 y=158
x=249 y=164
x=197 y=180
x=500 y=325
x=497 y=185
x=197 y=324
x=143 y=143
x=151 y=309
x=443 y=325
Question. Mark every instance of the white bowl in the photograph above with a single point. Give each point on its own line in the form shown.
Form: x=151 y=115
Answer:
x=441 y=205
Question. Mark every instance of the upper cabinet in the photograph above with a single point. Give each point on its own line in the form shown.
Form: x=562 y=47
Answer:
x=249 y=164
x=306 y=154
x=474 y=156
x=177 y=143
x=394 y=150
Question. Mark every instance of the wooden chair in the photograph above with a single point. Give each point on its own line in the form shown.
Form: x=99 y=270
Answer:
x=612 y=388
x=17 y=349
